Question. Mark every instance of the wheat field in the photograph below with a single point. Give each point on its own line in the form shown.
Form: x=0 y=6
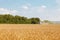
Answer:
x=29 y=32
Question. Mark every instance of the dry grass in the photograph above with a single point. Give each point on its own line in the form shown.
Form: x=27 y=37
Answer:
x=29 y=32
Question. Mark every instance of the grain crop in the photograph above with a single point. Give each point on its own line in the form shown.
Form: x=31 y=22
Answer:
x=29 y=31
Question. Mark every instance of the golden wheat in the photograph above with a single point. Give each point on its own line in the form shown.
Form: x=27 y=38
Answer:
x=29 y=32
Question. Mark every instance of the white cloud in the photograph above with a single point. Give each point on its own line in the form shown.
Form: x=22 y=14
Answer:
x=42 y=9
x=25 y=7
x=43 y=6
x=13 y=11
x=7 y=11
x=2 y=9
x=58 y=2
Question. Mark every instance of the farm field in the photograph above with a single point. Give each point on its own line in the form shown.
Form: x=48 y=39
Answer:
x=29 y=31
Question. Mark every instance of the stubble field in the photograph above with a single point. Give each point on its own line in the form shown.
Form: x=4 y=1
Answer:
x=29 y=32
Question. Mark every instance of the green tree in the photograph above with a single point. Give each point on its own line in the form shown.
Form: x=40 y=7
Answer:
x=35 y=20
x=10 y=19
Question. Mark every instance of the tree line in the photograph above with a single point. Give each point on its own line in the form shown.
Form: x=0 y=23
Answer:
x=11 y=19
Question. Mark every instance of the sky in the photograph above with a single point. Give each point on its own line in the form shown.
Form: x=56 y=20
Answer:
x=44 y=9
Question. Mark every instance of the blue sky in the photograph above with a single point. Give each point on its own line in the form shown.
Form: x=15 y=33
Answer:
x=44 y=9
x=17 y=3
